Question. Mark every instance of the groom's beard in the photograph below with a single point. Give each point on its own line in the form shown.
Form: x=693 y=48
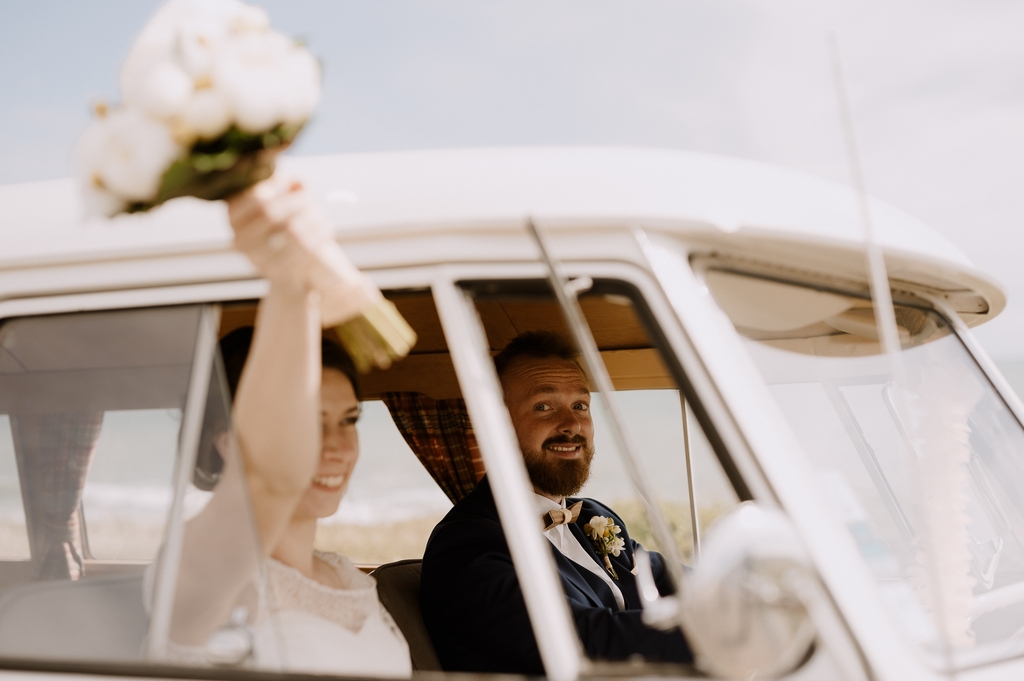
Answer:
x=559 y=477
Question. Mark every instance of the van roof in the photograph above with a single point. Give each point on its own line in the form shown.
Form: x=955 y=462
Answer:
x=714 y=197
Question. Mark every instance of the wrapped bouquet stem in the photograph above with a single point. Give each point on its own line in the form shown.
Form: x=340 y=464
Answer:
x=211 y=94
x=368 y=325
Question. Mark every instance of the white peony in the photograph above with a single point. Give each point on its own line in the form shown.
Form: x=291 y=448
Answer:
x=206 y=116
x=162 y=92
x=125 y=153
x=200 y=40
x=156 y=43
x=99 y=202
x=197 y=47
x=89 y=150
x=267 y=80
x=175 y=52
x=197 y=68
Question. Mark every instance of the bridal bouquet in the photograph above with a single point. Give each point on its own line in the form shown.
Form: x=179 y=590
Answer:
x=210 y=95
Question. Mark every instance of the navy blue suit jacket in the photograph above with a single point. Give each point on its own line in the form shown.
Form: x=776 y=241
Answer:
x=475 y=612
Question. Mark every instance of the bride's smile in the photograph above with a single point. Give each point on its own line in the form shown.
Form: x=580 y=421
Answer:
x=339 y=411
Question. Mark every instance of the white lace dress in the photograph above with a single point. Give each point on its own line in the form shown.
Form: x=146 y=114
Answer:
x=303 y=625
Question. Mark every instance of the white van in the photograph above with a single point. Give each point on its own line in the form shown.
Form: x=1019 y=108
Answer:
x=730 y=305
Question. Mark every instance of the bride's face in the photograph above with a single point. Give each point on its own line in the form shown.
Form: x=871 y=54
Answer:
x=339 y=411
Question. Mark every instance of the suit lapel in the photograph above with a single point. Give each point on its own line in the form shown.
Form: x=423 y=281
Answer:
x=586 y=582
x=583 y=580
x=586 y=542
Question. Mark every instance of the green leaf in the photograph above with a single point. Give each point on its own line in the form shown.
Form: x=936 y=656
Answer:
x=216 y=169
x=178 y=175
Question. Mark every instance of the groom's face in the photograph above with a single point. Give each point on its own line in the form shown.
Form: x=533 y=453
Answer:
x=549 y=403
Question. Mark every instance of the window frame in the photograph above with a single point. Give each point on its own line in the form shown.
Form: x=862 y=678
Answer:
x=660 y=313
x=763 y=447
x=659 y=320
x=963 y=661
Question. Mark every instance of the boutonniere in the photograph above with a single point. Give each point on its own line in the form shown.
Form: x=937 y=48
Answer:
x=605 y=534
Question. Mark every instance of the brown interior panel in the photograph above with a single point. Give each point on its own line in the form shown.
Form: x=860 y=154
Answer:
x=612 y=319
x=624 y=343
x=418 y=309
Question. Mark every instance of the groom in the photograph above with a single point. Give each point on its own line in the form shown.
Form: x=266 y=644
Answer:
x=472 y=603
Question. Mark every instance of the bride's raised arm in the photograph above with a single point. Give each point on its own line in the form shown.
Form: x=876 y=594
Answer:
x=276 y=416
x=276 y=411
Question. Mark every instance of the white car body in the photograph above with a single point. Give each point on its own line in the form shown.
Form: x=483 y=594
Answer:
x=434 y=218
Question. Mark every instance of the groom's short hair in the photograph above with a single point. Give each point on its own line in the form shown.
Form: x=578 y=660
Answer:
x=535 y=345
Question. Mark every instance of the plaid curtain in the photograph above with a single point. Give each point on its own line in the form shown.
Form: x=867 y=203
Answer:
x=441 y=436
x=54 y=452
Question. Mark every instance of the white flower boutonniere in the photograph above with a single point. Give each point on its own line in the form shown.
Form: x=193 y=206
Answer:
x=605 y=534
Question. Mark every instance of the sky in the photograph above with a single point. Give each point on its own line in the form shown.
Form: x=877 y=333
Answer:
x=936 y=92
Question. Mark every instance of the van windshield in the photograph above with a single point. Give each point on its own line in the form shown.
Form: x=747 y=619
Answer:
x=927 y=479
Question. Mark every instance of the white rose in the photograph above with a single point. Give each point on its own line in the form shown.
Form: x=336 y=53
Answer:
x=267 y=80
x=126 y=153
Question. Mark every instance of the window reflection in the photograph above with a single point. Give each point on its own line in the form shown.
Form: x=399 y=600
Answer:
x=89 y=404
x=926 y=476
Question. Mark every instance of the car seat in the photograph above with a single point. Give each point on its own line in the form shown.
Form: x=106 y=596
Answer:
x=101 y=618
x=398 y=586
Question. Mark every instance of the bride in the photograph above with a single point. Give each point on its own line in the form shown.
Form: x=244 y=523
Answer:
x=294 y=419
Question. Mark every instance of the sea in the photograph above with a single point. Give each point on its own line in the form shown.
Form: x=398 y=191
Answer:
x=129 y=486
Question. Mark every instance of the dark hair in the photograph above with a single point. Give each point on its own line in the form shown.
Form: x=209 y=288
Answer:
x=536 y=345
x=333 y=356
x=234 y=349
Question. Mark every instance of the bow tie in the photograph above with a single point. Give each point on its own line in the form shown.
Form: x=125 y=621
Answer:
x=561 y=516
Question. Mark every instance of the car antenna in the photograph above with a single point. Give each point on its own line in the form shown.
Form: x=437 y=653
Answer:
x=888 y=332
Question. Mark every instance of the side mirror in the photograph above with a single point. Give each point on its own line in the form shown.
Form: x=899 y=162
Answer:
x=745 y=606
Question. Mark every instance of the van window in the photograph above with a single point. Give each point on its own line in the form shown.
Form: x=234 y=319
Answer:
x=392 y=503
x=90 y=417
x=649 y=397
x=128 y=489
x=924 y=470
x=689 y=485
x=655 y=421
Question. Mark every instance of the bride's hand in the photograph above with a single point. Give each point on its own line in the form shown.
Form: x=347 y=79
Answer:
x=278 y=228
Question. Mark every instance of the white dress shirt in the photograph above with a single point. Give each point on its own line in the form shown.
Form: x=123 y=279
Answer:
x=566 y=542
